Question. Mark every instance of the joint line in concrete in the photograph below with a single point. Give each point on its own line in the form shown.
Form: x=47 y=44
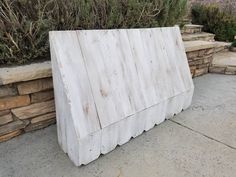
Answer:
x=200 y=133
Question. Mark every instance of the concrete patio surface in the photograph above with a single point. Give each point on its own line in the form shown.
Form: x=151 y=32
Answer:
x=199 y=142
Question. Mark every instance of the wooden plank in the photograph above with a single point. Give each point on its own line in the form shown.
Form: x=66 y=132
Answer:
x=77 y=86
x=104 y=68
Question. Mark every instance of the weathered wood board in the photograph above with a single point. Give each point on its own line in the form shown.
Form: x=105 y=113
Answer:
x=111 y=85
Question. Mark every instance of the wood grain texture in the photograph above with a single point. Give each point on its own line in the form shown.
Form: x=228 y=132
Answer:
x=111 y=85
x=76 y=84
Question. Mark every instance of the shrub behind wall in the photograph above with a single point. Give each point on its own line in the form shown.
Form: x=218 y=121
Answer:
x=220 y=22
x=230 y=5
x=24 y=24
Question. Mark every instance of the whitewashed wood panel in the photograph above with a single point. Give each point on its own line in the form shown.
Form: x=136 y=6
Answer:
x=111 y=85
x=75 y=81
x=102 y=55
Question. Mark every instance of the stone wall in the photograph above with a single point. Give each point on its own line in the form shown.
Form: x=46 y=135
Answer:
x=200 y=56
x=224 y=63
x=199 y=61
x=26 y=99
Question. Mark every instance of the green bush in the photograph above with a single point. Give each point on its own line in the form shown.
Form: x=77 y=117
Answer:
x=219 y=22
x=24 y=24
x=233 y=43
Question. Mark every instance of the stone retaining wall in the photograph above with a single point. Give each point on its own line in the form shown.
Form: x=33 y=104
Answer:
x=199 y=61
x=26 y=99
x=200 y=56
x=227 y=70
x=224 y=63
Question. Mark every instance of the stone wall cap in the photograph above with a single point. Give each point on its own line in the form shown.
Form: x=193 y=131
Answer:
x=191 y=46
x=193 y=26
x=25 y=73
x=198 y=36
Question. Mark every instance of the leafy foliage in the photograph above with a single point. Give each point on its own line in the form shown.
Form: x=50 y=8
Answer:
x=233 y=43
x=24 y=24
x=220 y=22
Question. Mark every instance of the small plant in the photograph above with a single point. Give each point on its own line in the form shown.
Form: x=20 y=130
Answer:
x=233 y=43
x=233 y=46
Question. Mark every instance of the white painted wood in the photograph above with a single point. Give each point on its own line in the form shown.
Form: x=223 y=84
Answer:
x=75 y=81
x=111 y=85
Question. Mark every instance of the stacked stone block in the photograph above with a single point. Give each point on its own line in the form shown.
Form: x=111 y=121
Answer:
x=25 y=105
x=200 y=56
x=227 y=70
x=191 y=29
x=199 y=61
x=224 y=63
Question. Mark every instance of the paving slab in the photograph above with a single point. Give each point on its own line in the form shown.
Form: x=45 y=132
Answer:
x=222 y=46
x=213 y=110
x=168 y=150
x=224 y=59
